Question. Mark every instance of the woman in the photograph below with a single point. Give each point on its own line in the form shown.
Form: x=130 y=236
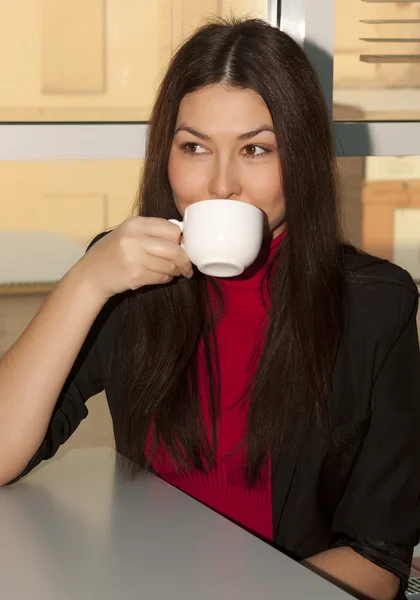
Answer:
x=286 y=398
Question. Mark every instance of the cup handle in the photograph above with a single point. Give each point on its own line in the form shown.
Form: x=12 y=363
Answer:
x=180 y=225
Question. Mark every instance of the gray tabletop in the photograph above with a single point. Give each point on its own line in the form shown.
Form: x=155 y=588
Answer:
x=77 y=529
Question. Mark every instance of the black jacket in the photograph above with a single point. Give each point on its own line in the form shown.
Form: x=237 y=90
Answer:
x=362 y=488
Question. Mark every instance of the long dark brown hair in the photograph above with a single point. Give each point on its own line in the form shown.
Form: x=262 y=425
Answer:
x=163 y=325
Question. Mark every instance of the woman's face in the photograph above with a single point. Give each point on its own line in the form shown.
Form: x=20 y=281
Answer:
x=224 y=147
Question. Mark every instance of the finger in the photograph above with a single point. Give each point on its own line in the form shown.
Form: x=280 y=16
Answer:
x=155 y=227
x=152 y=278
x=171 y=251
x=161 y=265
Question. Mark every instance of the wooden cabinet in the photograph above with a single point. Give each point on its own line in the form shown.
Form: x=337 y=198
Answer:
x=100 y=60
x=60 y=205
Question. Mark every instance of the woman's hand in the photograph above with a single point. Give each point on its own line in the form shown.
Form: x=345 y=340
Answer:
x=141 y=251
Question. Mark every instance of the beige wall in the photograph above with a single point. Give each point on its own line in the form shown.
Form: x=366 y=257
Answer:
x=74 y=198
x=135 y=50
x=96 y=60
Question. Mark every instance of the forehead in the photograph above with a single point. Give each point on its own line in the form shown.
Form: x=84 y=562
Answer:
x=221 y=108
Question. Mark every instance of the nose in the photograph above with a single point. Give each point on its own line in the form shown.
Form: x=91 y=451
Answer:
x=224 y=182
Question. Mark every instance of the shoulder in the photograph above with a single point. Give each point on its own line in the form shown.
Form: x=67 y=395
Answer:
x=386 y=286
x=359 y=264
x=380 y=307
x=381 y=301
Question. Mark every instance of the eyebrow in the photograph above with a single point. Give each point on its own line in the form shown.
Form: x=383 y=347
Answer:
x=244 y=136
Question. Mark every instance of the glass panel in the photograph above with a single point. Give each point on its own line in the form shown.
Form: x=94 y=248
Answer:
x=51 y=210
x=98 y=60
x=377 y=60
x=381 y=207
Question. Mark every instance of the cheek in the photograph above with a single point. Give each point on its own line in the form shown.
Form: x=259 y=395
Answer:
x=267 y=190
x=174 y=173
x=185 y=182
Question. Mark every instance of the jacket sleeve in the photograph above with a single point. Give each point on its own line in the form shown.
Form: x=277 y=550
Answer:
x=84 y=381
x=379 y=512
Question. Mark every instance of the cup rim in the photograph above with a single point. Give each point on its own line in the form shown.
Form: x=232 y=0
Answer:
x=226 y=201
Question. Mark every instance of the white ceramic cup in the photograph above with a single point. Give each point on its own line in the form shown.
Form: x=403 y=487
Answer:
x=222 y=237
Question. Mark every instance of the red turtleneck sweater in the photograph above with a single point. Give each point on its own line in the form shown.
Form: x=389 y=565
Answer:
x=240 y=334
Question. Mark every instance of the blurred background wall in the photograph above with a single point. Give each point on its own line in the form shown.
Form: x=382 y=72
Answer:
x=101 y=62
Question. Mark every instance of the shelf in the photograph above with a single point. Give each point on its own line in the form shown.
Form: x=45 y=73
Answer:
x=25 y=289
x=391 y=40
x=390 y=58
x=389 y=21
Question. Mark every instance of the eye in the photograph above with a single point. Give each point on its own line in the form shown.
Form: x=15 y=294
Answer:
x=193 y=148
x=252 y=151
